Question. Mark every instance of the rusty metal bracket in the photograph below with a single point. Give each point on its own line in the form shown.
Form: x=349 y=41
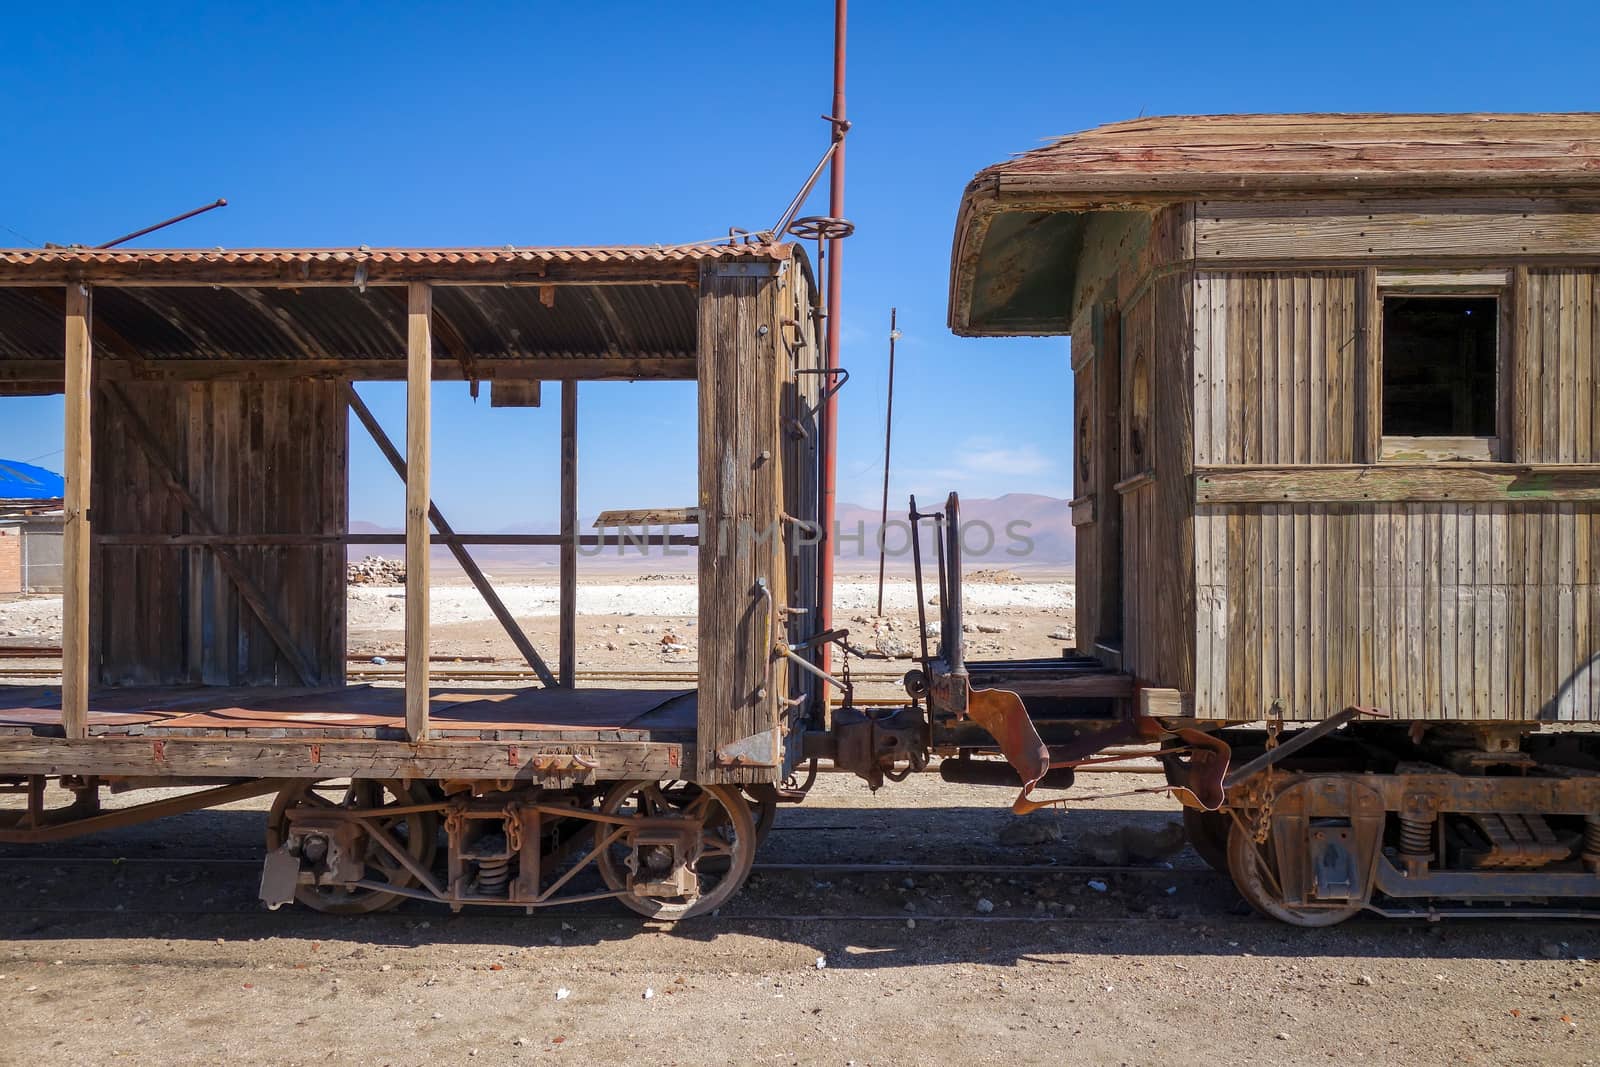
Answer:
x=757 y=750
x=1299 y=741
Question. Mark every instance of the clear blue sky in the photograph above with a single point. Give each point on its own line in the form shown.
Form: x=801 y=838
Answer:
x=595 y=123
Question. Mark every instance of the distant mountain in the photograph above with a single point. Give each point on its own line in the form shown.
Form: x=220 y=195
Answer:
x=997 y=530
x=1012 y=530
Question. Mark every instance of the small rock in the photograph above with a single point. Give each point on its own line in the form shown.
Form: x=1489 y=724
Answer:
x=991 y=628
x=1282 y=1036
x=984 y=905
x=379 y=661
x=1097 y=885
x=386 y=967
x=1365 y=979
x=822 y=963
x=563 y=993
x=438 y=1015
x=1061 y=633
x=911 y=924
x=649 y=994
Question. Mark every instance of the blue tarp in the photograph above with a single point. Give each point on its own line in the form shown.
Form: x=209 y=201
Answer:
x=23 y=481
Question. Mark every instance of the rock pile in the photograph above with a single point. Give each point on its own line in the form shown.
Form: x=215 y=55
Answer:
x=376 y=570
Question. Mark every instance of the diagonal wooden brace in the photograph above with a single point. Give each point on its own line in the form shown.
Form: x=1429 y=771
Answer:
x=463 y=557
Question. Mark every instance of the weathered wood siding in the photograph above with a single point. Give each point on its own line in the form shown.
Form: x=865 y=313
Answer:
x=743 y=365
x=1427 y=610
x=1556 y=383
x=1157 y=489
x=1477 y=609
x=260 y=458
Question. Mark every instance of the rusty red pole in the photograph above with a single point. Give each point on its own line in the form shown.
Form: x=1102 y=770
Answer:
x=830 y=410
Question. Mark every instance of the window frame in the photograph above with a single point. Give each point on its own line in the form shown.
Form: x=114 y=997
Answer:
x=1471 y=283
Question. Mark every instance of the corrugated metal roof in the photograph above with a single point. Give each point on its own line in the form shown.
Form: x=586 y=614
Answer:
x=24 y=481
x=1216 y=153
x=439 y=257
x=347 y=304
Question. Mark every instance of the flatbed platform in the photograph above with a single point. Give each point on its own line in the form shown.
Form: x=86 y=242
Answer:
x=362 y=711
x=508 y=732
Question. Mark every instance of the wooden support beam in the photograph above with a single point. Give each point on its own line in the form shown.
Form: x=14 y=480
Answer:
x=419 y=460
x=115 y=365
x=76 y=532
x=1399 y=482
x=637 y=517
x=569 y=533
x=251 y=592
x=279 y=540
x=457 y=548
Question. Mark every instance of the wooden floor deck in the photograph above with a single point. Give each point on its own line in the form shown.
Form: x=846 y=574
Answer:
x=361 y=712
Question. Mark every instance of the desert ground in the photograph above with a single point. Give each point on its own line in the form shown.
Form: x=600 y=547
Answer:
x=122 y=947
x=148 y=944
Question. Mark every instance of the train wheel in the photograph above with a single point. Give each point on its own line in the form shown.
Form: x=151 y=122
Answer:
x=417 y=834
x=764 y=807
x=1255 y=876
x=727 y=844
x=1208 y=835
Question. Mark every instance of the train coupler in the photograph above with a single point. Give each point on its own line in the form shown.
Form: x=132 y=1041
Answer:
x=876 y=744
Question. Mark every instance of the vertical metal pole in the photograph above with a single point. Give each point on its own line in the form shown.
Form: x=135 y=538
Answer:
x=75 y=540
x=419 y=465
x=830 y=411
x=888 y=433
x=567 y=667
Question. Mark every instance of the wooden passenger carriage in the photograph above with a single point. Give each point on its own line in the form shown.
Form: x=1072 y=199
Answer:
x=1336 y=444
x=208 y=396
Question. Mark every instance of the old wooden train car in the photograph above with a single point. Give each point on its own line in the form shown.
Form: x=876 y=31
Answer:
x=207 y=398
x=1337 y=447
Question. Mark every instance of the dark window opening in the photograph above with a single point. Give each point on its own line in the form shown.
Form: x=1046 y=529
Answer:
x=1439 y=357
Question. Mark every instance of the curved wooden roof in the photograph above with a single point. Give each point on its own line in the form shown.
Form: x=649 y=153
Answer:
x=1021 y=224
x=1195 y=154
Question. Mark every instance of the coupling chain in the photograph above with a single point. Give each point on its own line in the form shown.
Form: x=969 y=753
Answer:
x=1263 y=820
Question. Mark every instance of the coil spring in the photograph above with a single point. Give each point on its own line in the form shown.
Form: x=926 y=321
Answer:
x=493 y=876
x=1416 y=837
x=1591 y=835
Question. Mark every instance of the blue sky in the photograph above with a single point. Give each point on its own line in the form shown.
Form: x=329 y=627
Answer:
x=411 y=124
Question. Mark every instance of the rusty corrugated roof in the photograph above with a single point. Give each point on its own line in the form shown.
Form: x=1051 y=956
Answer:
x=434 y=256
x=632 y=302
x=1198 y=154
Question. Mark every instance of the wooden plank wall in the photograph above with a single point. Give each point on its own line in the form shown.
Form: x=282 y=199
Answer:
x=1157 y=534
x=741 y=495
x=1470 y=610
x=260 y=457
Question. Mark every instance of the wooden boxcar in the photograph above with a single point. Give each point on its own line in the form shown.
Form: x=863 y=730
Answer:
x=208 y=397
x=1337 y=444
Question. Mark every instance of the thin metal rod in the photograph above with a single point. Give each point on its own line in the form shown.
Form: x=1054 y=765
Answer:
x=805 y=191
x=125 y=238
x=888 y=434
x=830 y=408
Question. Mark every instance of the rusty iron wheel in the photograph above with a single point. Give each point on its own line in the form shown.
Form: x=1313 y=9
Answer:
x=1208 y=835
x=1255 y=877
x=728 y=843
x=763 y=799
x=417 y=833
